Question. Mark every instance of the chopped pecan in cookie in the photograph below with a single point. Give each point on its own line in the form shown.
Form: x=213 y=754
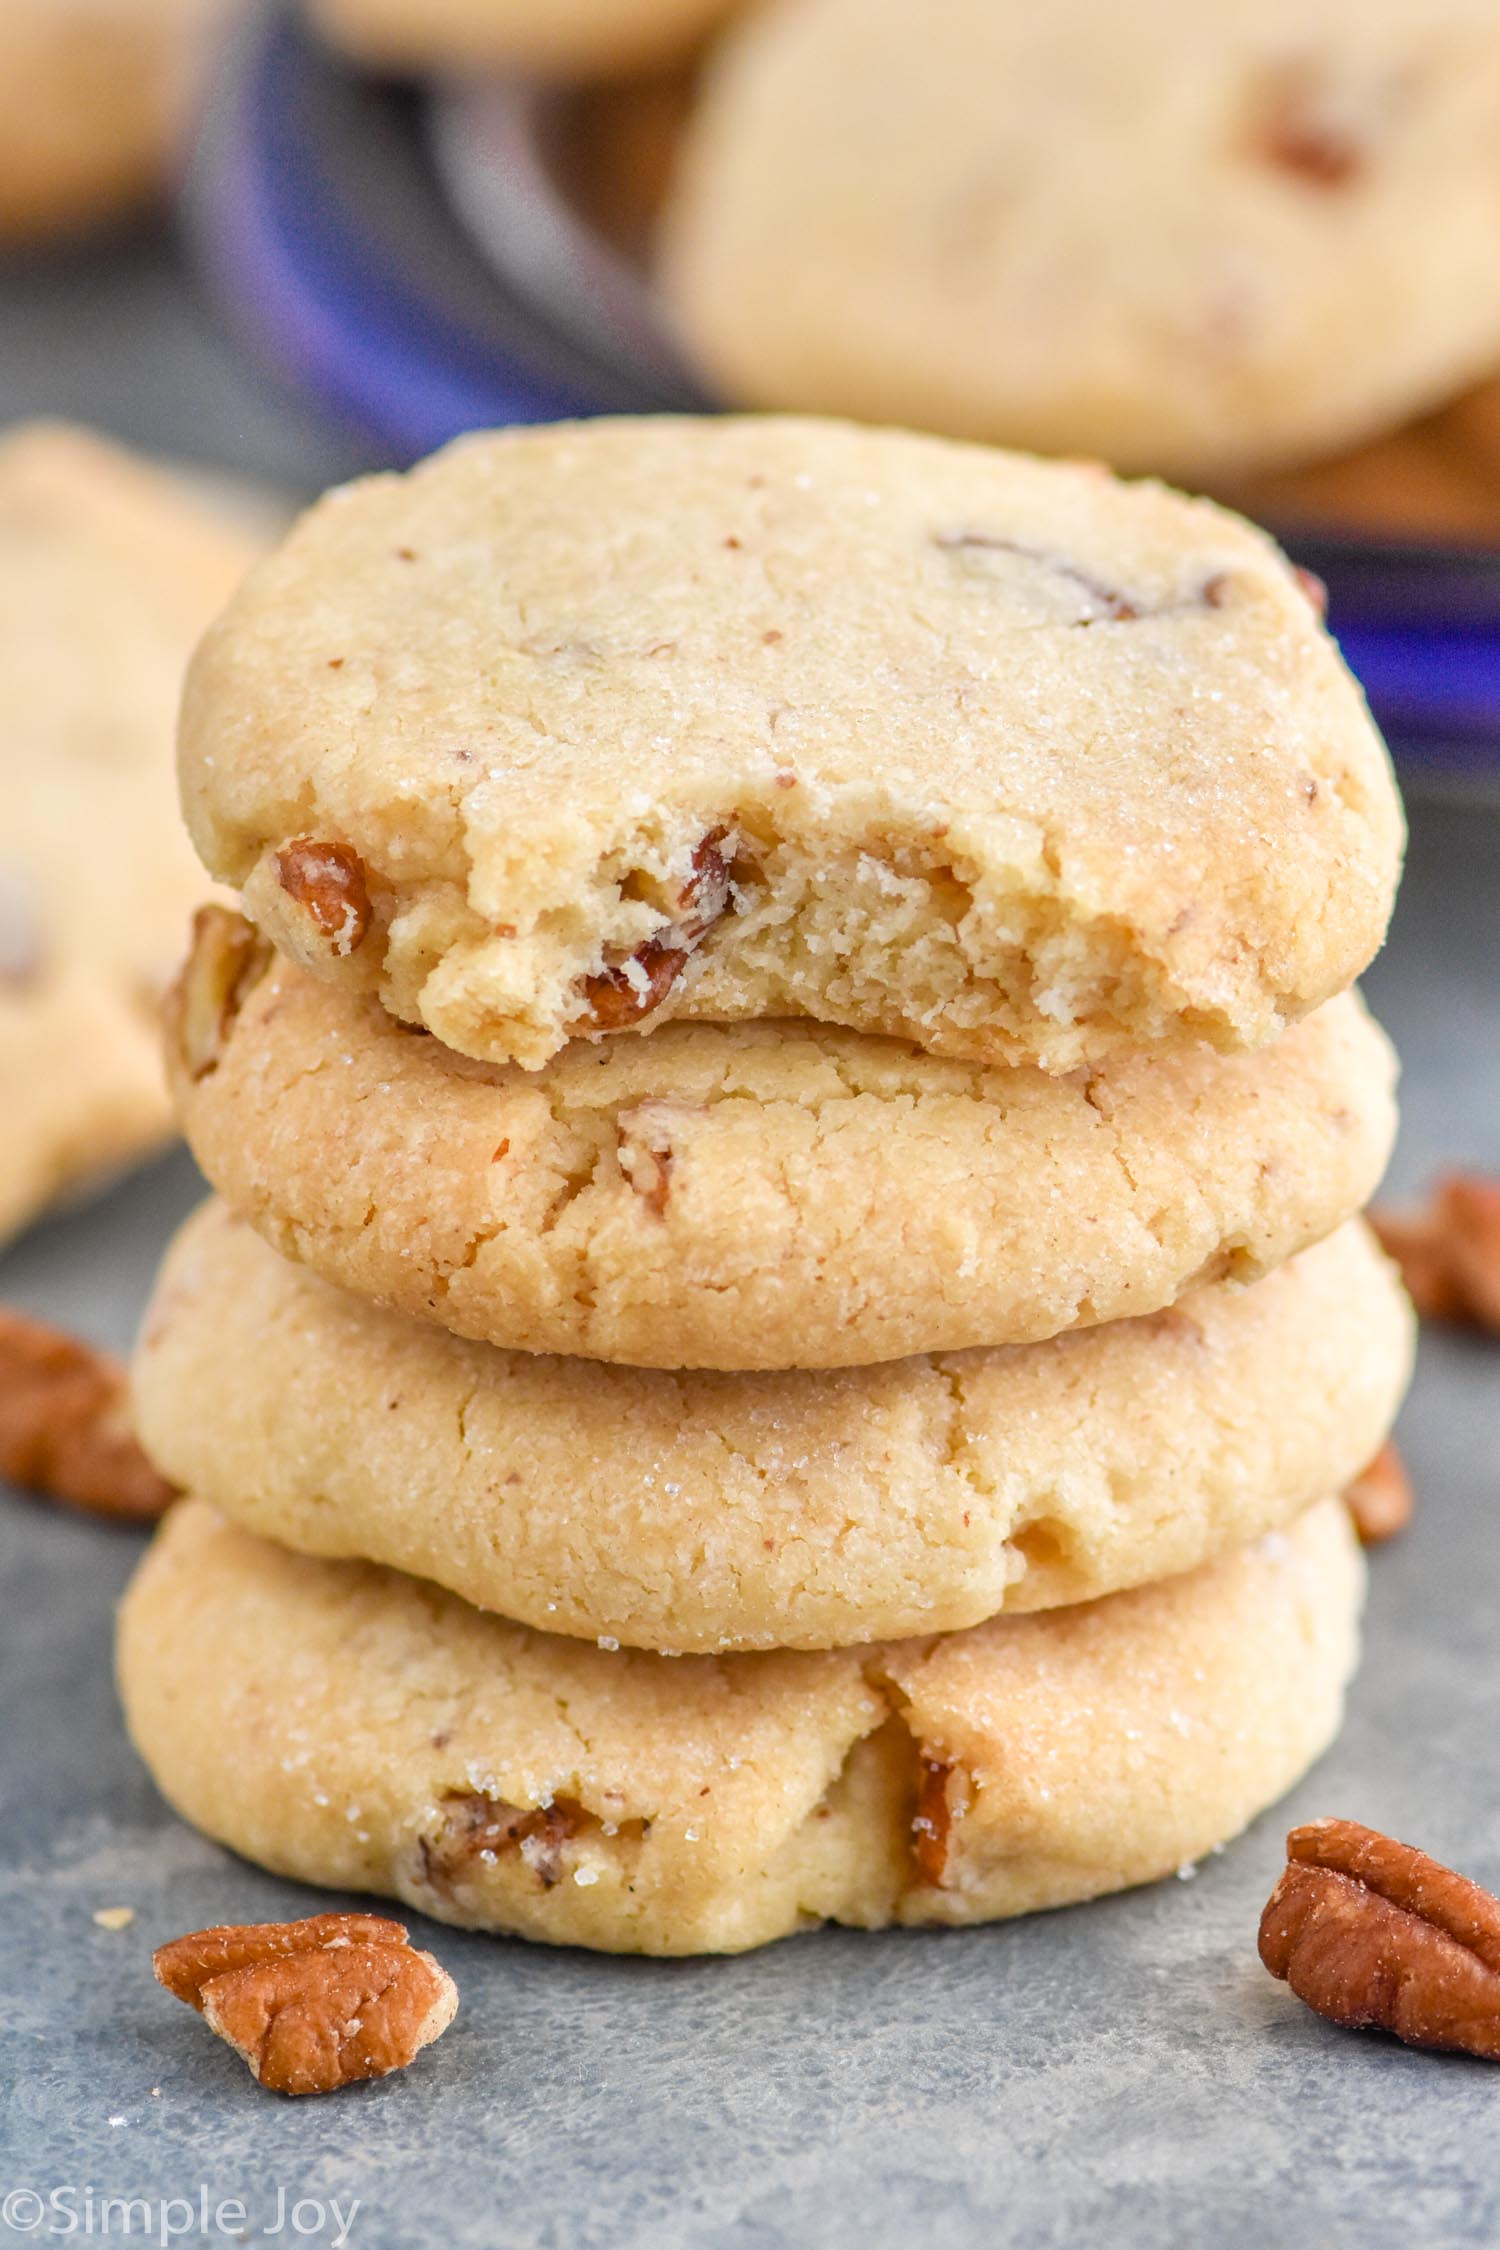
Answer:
x=473 y=1828
x=63 y=1427
x=313 y=2005
x=1376 y=1936
x=1105 y=601
x=617 y=996
x=942 y=1801
x=1312 y=130
x=328 y=881
x=226 y=958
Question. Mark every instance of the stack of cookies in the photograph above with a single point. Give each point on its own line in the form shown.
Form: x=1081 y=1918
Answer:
x=787 y=1314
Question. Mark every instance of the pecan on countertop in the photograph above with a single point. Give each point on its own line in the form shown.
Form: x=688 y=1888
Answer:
x=1376 y=1936
x=63 y=1426
x=1380 y=1499
x=1449 y=1250
x=313 y=2005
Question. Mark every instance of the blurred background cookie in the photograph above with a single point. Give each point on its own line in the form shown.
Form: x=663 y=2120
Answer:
x=1195 y=241
x=108 y=571
x=93 y=97
x=556 y=38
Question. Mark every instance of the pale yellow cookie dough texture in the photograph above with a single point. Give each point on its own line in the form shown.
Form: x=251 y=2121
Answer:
x=94 y=98
x=790 y=1113
x=711 y=1512
x=108 y=573
x=344 y=1725
x=1200 y=240
x=759 y=1194
x=578 y=729
x=565 y=39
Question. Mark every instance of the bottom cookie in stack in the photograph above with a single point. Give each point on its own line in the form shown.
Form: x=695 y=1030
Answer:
x=345 y=1725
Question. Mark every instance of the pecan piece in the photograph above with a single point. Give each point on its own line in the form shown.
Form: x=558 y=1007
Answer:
x=1469 y=1214
x=475 y=1827
x=1380 y=1498
x=616 y=997
x=1374 y=1935
x=1108 y=602
x=645 y=1150
x=1449 y=1253
x=226 y=958
x=63 y=1428
x=313 y=2005
x=328 y=881
x=942 y=1801
x=1306 y=130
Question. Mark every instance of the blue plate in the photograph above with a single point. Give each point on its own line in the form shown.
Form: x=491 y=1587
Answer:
x=321 y=208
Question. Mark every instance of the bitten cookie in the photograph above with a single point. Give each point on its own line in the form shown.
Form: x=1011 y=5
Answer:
x=710 y=1512
x=92 y=97
x=547 y=38
x=578 y=729
x=107 y=574
x=763 y=1194
x=1161 y=234
x=344 y=1725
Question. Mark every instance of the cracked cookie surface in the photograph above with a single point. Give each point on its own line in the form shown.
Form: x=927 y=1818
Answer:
x=761 y=1194
x=343 y=1725
x=108 y=571
x=1162 y=234
x=623 y=722
x=709 y=1512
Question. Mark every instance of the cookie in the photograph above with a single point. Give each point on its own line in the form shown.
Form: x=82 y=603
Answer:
x=583 y=729
x=710 y=1512
x=344 y=1725
x=761 y=1194
x=544 y=38
x=1163 y=234
x=93 y=95
x=108 y=572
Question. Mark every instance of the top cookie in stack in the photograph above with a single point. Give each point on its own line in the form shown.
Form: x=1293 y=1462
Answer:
x=575 y=730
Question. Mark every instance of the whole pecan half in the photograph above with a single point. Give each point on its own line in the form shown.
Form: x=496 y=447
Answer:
x=1376 y=1936
x=313 y=2005
x=1380 y=1498
x=63 y=1428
